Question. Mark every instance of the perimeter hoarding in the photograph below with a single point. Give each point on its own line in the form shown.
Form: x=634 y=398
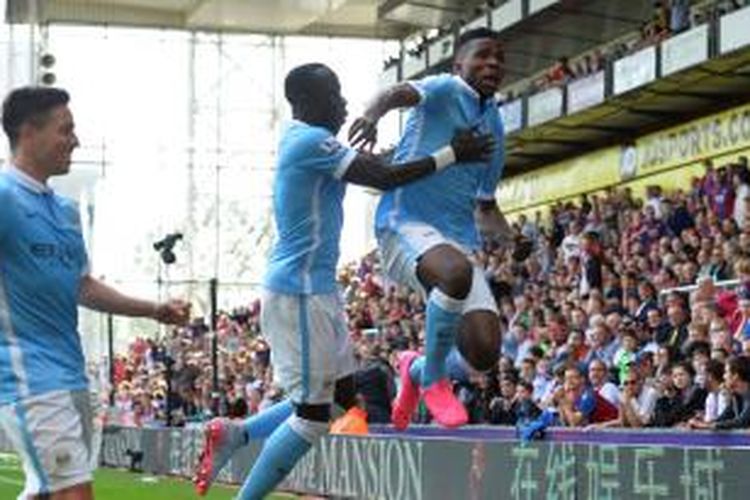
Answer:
x=479 y=463
x=670 y=158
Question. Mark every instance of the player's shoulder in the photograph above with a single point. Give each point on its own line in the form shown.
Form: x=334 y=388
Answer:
x=305 y=133
x=309 y=142
x=440 y=79
x=442 y=83
x=303 y=138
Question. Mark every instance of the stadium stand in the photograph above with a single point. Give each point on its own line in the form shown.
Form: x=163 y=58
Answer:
x=596 y=289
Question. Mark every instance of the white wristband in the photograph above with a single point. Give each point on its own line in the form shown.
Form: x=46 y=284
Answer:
x=444 y=157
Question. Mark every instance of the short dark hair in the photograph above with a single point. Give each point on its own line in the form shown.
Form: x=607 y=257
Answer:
x=536 y=352
x=740 y=366
x=578 y=369
x=715 y=369
x=525 y=384
x=29 y=104
x=300 y=81
x=686 y=366
x=629 y=332
x=475 y=34
x=698 y=347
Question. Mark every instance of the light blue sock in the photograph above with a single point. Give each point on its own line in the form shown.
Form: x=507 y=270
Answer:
x=457 y=368
x=262 y=425
x=281 y=452
x=443 y=317
x=416 y=369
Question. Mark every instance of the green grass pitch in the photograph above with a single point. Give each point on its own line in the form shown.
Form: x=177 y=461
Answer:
x=114 y=484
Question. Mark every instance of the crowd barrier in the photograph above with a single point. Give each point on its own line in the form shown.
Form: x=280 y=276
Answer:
x=478 y=463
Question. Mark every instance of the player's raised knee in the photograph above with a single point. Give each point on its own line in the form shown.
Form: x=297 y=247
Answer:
x=482 y=356
x=479 y=341
x=455 y=275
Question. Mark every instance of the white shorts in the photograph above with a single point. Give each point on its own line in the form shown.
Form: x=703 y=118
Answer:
x=401 y=250
x=53 y=435
x=310 y=348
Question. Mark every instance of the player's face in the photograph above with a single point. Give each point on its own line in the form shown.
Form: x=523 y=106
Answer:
x=52 y=142
x=338 y=105
x=573 y=380
x=480 y=64
x=333 y=102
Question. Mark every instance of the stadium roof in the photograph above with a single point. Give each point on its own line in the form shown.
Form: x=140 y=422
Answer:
x=365 y=18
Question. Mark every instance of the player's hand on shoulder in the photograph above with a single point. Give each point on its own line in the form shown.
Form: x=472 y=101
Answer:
x=363 y=134
x=173 y=312
x=471 y=147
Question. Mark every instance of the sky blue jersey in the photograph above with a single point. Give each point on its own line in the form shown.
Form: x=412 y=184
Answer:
x=42 y=260
x=445 y=200
x=308 y=194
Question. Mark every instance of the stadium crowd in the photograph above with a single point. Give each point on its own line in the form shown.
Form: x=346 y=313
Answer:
x=595 y=333
x=668 y=18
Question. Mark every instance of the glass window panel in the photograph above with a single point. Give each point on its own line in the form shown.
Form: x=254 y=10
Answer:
x=183 y=137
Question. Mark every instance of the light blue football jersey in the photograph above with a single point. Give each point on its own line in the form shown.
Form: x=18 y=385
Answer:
x=445 y=200
x=308 y=194
x=42 y=260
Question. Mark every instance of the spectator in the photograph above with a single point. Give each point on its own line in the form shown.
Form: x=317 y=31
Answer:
x=571 y=244
x=626 y=354
x=677 y=334
x=661 y=20
x=600 y=383
x=654 y=201
x=648 y=295
x=681 y=399
x=717 y=398
x=656 y=327
x=636 y=404
x=721 y=337
x=529 y=230
x=737 y=413
x=579 y=404
x=576 y=349
x=527 y=410
x=699 y=354
x=553 y=390
x=504 y=407
x=741 y=184
x=476 y=395
x=561 y=73
x=742 y=331
x=722 y=204
x=591 y=275
x=679 y=19
x=375 y=384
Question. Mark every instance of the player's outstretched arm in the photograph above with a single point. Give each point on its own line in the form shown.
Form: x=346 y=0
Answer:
x=364 y=131
x=101 y=297
x=368 y=170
